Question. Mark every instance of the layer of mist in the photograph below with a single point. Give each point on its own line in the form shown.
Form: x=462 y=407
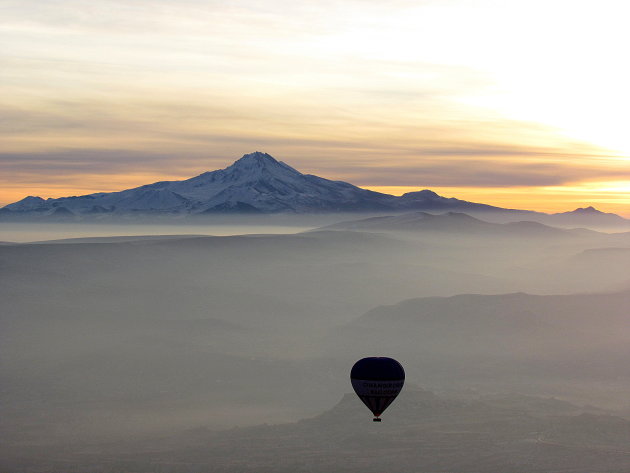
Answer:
x=164 y=349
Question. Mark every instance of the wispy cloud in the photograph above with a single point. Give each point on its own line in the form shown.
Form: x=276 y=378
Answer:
x=404 y=93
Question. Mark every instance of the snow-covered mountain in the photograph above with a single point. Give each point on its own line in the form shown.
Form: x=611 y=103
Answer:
x=256 y=183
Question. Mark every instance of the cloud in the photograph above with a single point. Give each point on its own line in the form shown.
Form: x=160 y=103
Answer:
x=358 y=90
x=424 y=168
x=498 y=172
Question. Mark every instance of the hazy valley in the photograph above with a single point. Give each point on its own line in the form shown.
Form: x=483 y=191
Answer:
x=339 y=236
x=135 y=341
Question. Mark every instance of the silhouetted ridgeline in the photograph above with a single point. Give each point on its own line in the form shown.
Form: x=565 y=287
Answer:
x=420 y=432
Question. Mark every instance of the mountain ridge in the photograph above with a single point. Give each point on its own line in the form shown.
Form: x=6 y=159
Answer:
x=257 y=183
x=449 y=222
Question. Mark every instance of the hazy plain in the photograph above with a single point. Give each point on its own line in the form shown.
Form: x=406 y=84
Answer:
x=32 y=232
x=158 y=337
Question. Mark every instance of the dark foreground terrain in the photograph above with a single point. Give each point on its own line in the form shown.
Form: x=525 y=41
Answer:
x=420 y=432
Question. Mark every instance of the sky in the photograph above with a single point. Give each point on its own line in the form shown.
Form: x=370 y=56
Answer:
x=521 y=104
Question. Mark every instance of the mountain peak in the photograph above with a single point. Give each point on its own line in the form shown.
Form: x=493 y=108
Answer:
x=27 y=203
x=423 y=194
x=584 y=215
x=257 y=162
x=257 y=157
x=587 y=210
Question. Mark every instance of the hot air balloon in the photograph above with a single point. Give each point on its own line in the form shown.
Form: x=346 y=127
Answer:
x=377 y=381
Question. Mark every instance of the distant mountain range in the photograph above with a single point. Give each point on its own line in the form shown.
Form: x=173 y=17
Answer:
x=259 y=184
x=452 y=222
x=484 y=337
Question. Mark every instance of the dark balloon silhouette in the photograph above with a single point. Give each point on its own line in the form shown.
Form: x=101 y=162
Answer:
x=377 y=381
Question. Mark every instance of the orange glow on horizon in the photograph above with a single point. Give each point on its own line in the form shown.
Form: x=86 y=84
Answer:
x=611 y=197
x=540 y=199
x=79 y=185
x=363 y=92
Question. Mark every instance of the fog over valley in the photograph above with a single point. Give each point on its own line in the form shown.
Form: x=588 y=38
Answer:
x=122 y=352
x=339 y=236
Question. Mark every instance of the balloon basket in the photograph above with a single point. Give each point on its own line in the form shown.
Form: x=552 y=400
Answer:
x=376 y=419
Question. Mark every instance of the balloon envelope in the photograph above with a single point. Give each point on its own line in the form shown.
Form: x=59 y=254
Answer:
x=377 y=381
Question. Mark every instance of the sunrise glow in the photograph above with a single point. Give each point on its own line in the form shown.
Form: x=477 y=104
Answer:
x=516 y=104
